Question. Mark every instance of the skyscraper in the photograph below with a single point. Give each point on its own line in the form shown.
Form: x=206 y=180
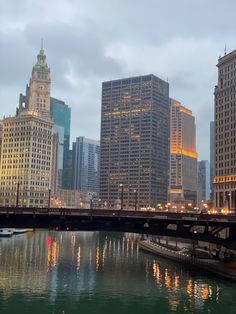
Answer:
x=204 y=178
x=26 y=150
x=183 y=155
x=86 y=164
x=134 y=141
x=58 y=132
x=225 y=131
x=61 y=115
x=212 y=157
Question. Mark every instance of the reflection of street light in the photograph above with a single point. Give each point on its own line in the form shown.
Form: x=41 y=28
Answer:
x=122 y=196
x=136 y=199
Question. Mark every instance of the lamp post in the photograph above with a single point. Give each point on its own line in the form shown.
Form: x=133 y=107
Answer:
x=49 y=198
x=235 y=201
x=136 y=199
x=121 y=196
x=17 y=194
x=228 y=197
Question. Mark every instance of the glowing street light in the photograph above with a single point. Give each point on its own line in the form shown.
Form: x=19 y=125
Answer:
x=122 y=196
x=136 y=199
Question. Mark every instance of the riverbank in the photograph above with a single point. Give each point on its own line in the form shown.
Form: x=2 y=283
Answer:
x=216 y=267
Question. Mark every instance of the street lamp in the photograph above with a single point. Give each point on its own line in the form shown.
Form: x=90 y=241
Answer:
x=228 y=197
x=235 y=201
x=49 y=198
x=122 y=196
x=136 y=199
x=17 y=193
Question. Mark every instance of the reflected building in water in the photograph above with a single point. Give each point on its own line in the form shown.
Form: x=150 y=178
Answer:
x=73 y=265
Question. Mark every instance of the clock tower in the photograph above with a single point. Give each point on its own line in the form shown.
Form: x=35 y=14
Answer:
x=37 y=97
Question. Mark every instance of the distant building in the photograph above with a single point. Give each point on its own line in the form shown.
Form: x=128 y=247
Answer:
x=73 y=199
x=68 y=171
x=204 y=178
x=183 y=156
x=225 y=132
x=134 y=141
x=86 y=164
x=27 y=144
x=212 y=157
x=61 y=115
x=58 y=131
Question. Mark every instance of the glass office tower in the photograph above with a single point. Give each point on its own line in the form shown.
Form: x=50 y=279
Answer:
x=86 y=153
x=61 y=115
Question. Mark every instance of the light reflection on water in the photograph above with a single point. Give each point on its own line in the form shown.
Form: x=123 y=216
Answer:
x=52 y=272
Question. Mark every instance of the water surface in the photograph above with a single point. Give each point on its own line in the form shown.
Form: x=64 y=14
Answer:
x=77 y=272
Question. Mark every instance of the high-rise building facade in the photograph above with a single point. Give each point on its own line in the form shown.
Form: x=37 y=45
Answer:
x=225 y=131
x=61 y=115
x=134 y=141
x=183 y=155
x=86 y=164
x=212 y=157
x=204 y=178
x=58 y=132
x=27 y=142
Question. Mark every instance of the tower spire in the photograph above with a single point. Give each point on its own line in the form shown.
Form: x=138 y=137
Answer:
x=41 y=43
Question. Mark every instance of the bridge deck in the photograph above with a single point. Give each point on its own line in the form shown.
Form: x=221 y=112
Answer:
x=218 y=229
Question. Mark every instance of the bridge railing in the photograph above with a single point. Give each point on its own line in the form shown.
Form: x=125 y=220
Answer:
x=121 y=213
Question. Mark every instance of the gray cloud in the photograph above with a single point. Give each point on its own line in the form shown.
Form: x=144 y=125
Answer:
x=87 y=42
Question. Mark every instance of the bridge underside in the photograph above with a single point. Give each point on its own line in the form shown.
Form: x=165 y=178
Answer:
x=221 y=233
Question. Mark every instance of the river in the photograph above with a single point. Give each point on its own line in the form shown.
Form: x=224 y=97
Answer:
x=46 y=272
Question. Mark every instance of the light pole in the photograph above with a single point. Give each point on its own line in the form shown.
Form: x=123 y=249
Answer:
x=49 y=198
x=235 y=201
x=136 y=199
x=121 y=196
x=228 y=196
x=17 y=194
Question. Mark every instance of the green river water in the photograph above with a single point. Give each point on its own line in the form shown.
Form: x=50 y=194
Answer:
x=48 y=272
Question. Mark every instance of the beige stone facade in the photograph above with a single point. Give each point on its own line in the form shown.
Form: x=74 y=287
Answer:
x=27 y=143
x=225 y=133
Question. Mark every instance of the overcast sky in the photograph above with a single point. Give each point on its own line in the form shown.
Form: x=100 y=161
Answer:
x=89 y=41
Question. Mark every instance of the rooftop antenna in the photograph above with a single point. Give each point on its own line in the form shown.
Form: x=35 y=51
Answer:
x=225 y=49
x=167 y=80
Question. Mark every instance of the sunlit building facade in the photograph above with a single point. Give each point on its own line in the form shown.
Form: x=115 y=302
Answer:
x=134 y=141
x=27 y=142
x=183 y=184
x=225 y=132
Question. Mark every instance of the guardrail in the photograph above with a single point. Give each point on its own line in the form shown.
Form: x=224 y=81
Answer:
x=122 y=213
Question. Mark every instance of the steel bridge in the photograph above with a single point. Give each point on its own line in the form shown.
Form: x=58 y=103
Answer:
x=218 y=229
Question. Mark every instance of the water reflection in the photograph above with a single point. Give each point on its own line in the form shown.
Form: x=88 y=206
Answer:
x=71 y=271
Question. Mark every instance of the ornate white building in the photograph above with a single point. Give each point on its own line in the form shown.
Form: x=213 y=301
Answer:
x=27 y=144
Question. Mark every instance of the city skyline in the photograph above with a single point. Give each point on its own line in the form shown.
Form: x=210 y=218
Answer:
x=82 y=59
